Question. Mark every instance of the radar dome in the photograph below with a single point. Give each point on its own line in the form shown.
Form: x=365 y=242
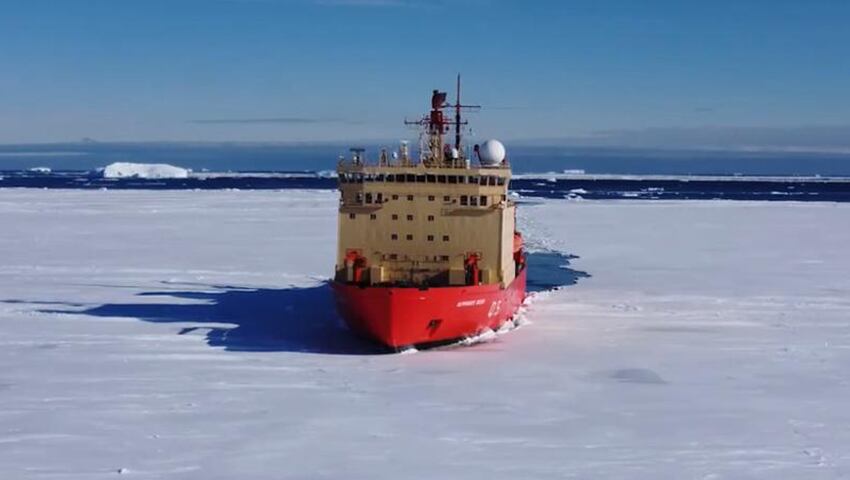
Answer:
x=491 y=153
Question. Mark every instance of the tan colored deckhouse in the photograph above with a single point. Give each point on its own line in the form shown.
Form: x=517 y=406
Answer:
x=434 y=222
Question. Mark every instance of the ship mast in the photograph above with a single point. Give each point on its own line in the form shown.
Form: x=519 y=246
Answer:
x=458 y=122
x=457 y=115
x=437 y=125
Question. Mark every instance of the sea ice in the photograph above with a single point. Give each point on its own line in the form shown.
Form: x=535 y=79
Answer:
x=191 y=335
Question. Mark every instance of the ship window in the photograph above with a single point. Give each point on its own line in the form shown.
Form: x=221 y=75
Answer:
x=447 y=199
x=352 y=216
x=359 y=197
x=473 y=200
x=441 y=179
x=379 y=177
x=410 y=198
x=395 y=197
x=504 y=198
x=430 y=218
x=393 y=256
x=420 y=179
x=390 y=178
x=373 y=217
x=444 y=258
x=483 y=200
x=445 y=238
x=368 y=198
x=411 y=178
x=343 y=178
x=464 y=200
x=380 y=198
x=500 y=181
x=491 y=181
x=359 y=177
x=395 y=217
x=473 y=180
x=430 y=238
x=410 y=218
x=399 y=178
x=432 y=179
x=452 y=179
x=394 y=236
x=368 y=178
x=409 y=236
x=431 y=198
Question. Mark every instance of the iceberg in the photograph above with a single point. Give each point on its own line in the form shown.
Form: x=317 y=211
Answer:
x=144 y=170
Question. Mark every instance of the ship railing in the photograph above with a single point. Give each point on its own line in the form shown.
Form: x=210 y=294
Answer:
x=359 y=160
x=427 y=178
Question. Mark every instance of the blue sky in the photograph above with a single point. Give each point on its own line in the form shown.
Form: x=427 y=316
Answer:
x=313 y=70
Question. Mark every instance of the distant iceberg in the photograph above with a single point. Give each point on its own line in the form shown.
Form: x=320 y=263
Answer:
x=44 y=170
x=144 y=170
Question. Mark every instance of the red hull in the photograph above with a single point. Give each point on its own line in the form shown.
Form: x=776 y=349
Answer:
x=398 y=317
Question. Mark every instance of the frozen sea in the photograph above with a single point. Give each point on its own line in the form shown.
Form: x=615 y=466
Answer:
x=189 y=335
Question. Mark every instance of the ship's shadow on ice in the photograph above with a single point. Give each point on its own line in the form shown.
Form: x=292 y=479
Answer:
x=551 y=270
x=295 y=319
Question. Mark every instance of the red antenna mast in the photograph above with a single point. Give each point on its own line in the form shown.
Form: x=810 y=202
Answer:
x=436 y=121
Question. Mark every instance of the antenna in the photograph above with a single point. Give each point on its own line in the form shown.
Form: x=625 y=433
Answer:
x=437 y=125
x=458 y=106
x=457 y=115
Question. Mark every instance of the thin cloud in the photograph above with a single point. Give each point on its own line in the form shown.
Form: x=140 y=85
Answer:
x=364 y=3
x=272 y=120
x=803 y=139
x=812 y=138
x=335 y=3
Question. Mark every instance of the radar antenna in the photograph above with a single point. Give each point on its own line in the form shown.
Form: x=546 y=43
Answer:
x=437 y=125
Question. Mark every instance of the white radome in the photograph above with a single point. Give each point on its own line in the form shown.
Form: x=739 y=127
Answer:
x=491 y=153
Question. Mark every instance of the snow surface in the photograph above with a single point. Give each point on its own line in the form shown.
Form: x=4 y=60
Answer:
x=144 y=170
x=155 y=334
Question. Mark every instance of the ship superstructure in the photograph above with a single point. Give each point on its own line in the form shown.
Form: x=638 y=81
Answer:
x=428 y=250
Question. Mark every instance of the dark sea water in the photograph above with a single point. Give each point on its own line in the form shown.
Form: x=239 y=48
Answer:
x=577 y=187
x=608 y=173
x=240 y=157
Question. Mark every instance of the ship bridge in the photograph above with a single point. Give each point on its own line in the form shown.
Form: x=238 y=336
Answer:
x=437 y=224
